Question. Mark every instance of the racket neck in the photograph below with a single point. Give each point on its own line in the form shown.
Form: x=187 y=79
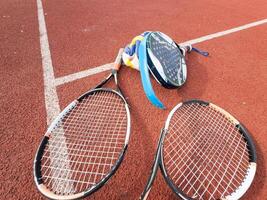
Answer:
x=115 y=75
x=104 y=81
x=154 y=169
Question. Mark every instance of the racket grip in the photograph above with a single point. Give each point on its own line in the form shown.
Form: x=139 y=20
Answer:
x=186 y=49
x=203 y=53
x=117 y=63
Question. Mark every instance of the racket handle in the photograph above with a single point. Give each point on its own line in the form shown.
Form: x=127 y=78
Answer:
x=186 y=49
x=203 y=53
x=117 y=63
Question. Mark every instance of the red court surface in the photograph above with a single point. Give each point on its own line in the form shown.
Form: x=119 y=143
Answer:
x=86 y=34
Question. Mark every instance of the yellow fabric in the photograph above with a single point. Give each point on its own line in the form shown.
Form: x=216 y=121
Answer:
x=129 y=63
x=139 y=37
x=132 y=60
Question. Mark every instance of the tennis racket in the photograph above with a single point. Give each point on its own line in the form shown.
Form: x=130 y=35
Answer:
x=204 y=153
x=85 y=144
x=166 y=59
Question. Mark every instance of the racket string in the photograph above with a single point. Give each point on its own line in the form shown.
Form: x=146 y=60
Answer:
x=187 y=145
x=229 y=181
x=174 y=147
x=212 y=178
x=116 y=141
x=195 y=150
x=81 y=162
x=184 y=136
x=98 y=167
x=190 y=151
x=108 y=104
x=81 y=153
x=95 y=115
x=60 y=150
x=72 y=118
x=213 y=151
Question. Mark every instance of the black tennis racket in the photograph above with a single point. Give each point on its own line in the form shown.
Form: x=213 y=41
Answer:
x=165 y=60
x=85 y=144
x=204 y=153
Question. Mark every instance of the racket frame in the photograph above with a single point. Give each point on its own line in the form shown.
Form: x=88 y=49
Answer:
x=159 y=158
x=37 y=160
x=152 y=60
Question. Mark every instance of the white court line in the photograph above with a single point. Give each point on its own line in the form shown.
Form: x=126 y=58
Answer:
x=51 y=98
x=51 y=102
x=82 y=74
x=226 y=32
x=96 y=70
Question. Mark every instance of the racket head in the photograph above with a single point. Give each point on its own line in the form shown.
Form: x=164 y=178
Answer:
x=207 y=153
x=84 y=145
x=166 y=61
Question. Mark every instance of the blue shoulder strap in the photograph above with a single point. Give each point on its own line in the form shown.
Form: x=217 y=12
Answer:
x=145 y=75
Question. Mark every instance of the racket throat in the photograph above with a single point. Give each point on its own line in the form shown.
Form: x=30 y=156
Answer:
x=115 y=75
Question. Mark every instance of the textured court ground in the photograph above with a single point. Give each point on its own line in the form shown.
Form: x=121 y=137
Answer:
x=38 y=80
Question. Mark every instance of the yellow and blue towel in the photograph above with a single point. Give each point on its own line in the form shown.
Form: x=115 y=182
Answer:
x=130 y=54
